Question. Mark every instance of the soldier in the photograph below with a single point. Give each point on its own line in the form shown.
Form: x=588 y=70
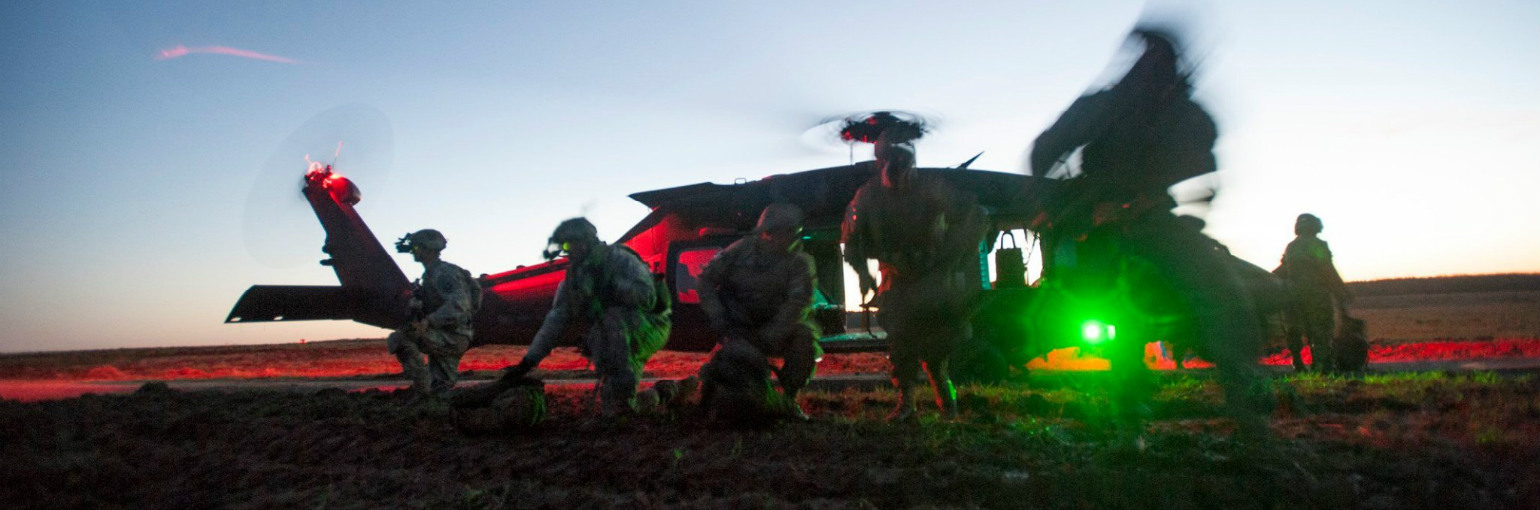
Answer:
x=610 y=289
x=1138 y=138
x=443 y=303
x=758 y=294
x=923 y=234
x=1317 y=294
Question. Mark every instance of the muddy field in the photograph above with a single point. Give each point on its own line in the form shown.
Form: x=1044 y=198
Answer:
x=1405 y=318
x=1391 y=441
x=1041 y=440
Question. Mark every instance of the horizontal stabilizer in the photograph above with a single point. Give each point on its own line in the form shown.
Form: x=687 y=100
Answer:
x=272 y=303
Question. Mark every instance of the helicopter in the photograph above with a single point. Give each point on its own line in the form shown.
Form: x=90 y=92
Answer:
x=687 y=225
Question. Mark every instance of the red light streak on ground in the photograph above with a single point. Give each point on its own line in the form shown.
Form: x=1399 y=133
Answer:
x=1157 y=358
x=369 y=359
x=1444 y=350
x=32 y=391
x=182 y=51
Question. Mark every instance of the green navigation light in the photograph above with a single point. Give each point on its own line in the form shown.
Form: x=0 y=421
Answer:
x=1094 y=332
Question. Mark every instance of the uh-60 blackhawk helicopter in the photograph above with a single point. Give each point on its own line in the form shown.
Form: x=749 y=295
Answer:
x=686 y=227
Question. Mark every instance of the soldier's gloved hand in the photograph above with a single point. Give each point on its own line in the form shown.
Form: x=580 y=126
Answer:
x=867 y=283
x=518 y=371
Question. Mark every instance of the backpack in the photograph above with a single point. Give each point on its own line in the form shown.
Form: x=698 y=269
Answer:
x=663 y=299
x=476 y=292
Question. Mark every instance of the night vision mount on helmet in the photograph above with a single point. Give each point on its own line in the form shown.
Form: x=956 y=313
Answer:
x=570 y=231
x=428 y=239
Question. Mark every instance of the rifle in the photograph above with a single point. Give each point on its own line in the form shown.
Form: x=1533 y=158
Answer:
x=416 y=319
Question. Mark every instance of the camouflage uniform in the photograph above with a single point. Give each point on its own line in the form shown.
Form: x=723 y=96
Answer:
x=1140 y=137
x=760 y=296
x=1316 y=292
x=923 y=234
x=448 y=296
x=611 y=291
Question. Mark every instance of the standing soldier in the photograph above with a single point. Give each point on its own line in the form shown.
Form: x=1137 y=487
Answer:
x=1317 y=294
x=758 y=293
x=610 y=289
x=443 y=303
x=923 y=234
x=1137 y=139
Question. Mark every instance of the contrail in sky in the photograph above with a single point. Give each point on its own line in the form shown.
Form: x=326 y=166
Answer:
x=182 y=51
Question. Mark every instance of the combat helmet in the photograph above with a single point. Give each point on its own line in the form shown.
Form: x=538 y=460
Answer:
x=1307 y=224
x=428 y=239
x=779 y=216
x=570 y=231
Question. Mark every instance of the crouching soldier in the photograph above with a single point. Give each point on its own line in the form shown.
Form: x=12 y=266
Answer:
x=758 y=294
x=443 y=304
x=608 y=288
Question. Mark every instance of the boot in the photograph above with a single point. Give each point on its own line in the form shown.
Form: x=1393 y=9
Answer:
x=946 y=399
x=1325 y=360
x=414 y=369
x=946 y=394
x=422 y=385
x=687 y=389
x=905 y=411
x=649 y=401
x=1295 y=346
x=793 y=408
x=617 y=408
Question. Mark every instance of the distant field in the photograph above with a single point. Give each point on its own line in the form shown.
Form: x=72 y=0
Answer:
x=1395 y=319
x=1446 y=285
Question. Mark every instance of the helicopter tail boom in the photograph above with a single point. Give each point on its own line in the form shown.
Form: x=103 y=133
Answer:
x=273 y=303
x=374 y=291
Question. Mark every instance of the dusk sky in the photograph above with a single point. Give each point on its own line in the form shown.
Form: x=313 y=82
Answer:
x=138 y=140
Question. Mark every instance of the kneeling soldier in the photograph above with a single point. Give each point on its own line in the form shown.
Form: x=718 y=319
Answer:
x=758 y=294
x=443 y=302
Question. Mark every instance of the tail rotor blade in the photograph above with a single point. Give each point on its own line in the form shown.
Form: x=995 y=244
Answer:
x=278 y=227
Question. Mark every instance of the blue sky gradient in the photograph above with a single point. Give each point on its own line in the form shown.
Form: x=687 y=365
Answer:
x=1410 y=127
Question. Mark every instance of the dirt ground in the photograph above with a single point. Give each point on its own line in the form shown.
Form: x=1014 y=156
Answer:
x=1432 y=440
x=1041 y=440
